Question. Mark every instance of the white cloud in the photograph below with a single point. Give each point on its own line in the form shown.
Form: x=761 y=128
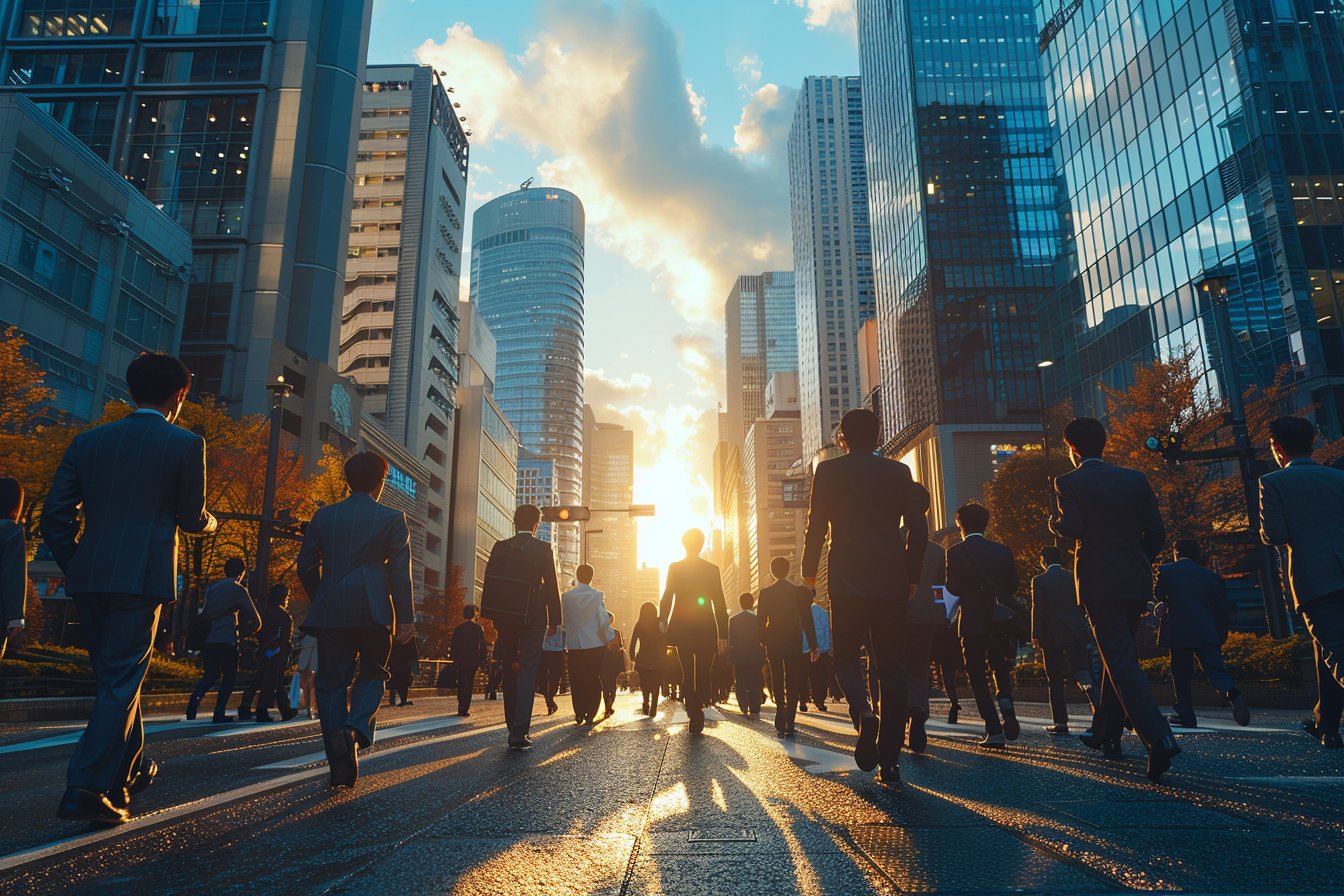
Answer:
x=763 y=130
x=837 y=14
x=599 y=94
x=697 y=109
x=698 y=356
x=601 y=390
x=748 y=72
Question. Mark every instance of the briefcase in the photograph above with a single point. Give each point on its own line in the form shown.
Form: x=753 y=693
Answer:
x=505 y=598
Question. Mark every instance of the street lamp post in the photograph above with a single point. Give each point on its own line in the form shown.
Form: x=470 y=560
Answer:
x=586 y=533
x=280 y=390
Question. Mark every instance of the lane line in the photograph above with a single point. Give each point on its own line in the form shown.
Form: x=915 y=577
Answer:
x=61 y=740
x=433 y=724
x=1294 y=780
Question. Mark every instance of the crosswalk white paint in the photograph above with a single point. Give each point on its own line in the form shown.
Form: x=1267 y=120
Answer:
x=431 y=724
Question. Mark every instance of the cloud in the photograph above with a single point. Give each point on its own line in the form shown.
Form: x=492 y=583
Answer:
x=697 y=109
x=602 y=391
x=600 y=96
x=747 y=71
x=698 y=356
x=837 y=14
x=763 y=130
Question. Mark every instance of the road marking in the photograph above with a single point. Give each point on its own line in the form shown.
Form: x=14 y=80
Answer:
x=432 y=724
x=253 y=727
x=153 y=819
x=61 y=740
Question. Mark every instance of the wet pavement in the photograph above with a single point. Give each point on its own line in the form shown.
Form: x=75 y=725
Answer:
x=640 y=806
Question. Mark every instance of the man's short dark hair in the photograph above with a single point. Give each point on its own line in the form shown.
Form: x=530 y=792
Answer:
x=1188 y=547
x=11 y=497
x=747 y=600
x=859 y=427
x=973 y=517
x=1295 y=435
x=921 y=498
x=155 y=377
x=584 y=574
x=526 y=517
x=469 y=612
x=365 y=472
x=1086 y=435
x=1050 y=555
x=278 y=596
x=779 y=567
x=234 y=567
x=693 y=540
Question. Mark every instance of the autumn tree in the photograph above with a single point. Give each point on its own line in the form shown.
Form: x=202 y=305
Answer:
x=440 y=612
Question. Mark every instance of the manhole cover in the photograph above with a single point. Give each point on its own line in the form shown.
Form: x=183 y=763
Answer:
x=720 y=835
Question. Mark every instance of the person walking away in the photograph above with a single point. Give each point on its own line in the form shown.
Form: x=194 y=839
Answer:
x=587 y=631
x=785 y=621
x=818 y=674
x=613 y=665
x=230 y=611
x=279 y=591
x=1059 y=631
x=925 y=618
x=273 y=643
x=694 y=617
x=306 y=648
x=1192 y=621
x=469 y=650
x=1111 y=513
x=647 y=649
x=868 y=506
x=982 y=572
x=137 y=482
x=402 y=665
x=744 y=648
x=551 y=672
x=1302 y=508
x=13 y=561
x=355 y=564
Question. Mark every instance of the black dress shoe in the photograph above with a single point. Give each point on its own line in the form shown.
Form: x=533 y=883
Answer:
x=697 y=716
x=343 y=758
x=79 y=804
x=120 y=798
x=1241 y=713
x=919 y=738
x=1176 y=720
x=1310 y=726
x=890 y=776
x=1331 y=740
x=993 y=741
x=1160 y=756
x=1011 y=728
x=865 y=751
x=264 y=717
x=953 y=711
x=1110 y=749
x=520 y=744
x=287 y=714
x=149 y=770
x=1057 y=730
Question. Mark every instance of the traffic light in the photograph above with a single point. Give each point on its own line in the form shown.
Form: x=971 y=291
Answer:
x=567 y=513
x=1167 y=444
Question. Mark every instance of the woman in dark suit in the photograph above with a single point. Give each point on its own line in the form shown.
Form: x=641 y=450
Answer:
x=647 y=649
x=13 y=560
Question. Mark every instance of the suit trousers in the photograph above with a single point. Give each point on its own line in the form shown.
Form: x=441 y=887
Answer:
x=819 y=678
x=697 y=671
x=1325 y=622
x=518 y=650
x=918 y=672
x=118 y=631
x=466 y=684
x=1060 y=660
x=221 y=665
x=585 y=681
x=271 y=690
x=1125 y=691
x=878 y=623
x=344 y=700
x=787 y=675
x=946 y=651
x=1183 y=674
x=983 y=654
x=750 y=685
x=551 y=671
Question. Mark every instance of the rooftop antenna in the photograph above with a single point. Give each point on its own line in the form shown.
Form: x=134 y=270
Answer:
x=527 y=184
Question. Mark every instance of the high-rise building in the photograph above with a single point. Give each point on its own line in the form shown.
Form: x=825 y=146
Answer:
x=1198 y=142
x=485 y=463
x=536 y=486
x=965 y=231
x=832 y=250
x=761 y=340
x=609 y=538
x=527 y=284
x=648 y=588
x=238 y=119
x=91 y=273
x=773 y=446
x=399 y=330
x=730 y=519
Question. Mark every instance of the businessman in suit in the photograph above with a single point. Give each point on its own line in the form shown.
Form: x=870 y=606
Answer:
x=869 y=507
x=1302 y=508
x=789 y=634
x=524 y=557
x=136 y=482
x=355 y=564
x=926 y=618
x=1111 y=512
x=1059 y=630
x=980 y=571
x=693 y=615
x=469 y=650
x=1192 y=621
x=744 y=649
x=587 y=633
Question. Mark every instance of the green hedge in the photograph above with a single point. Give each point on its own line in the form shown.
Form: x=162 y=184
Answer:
x=68 y=668
x=1249 y=658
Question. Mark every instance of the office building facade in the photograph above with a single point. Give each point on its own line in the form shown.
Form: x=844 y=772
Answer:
x=761 y=340
x=773 y=446
x=609 y=484
x=832 y=250
x=91 y=273
x=965 y=231
x=527 y=285
x=239 y=121
x=1198 y=142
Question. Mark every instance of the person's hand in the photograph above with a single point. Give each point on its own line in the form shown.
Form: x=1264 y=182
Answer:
x=405 y=633
x=810 y=581
x=815 y=654
x=551 y=630
x=723 y=645
x=910 y=592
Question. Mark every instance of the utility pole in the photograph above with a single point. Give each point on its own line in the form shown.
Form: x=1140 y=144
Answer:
x=280 y=390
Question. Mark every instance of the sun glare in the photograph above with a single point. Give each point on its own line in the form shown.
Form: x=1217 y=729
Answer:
x=683 y=500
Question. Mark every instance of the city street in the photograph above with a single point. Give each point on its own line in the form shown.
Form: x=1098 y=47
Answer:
x=639 y=806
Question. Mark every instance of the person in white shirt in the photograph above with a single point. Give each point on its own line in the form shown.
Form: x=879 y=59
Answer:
x=587 y=631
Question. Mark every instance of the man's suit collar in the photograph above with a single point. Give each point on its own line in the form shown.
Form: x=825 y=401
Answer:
x=1090 y=460
x=1302 y=462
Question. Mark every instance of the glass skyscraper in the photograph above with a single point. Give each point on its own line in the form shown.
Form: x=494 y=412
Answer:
x=965 y=230
x=527 y=285
x=1199 y=140
x=761 y=341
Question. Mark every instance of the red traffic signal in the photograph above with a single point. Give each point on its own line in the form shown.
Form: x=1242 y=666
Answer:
x=566 y=513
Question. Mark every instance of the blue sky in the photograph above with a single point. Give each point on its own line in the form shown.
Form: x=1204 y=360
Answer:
x=670 y=121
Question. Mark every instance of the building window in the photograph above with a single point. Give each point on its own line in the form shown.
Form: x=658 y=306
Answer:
x=76 y=18
x=210 y=297
x=209 y=16
x=90 y=67
x=202 y=66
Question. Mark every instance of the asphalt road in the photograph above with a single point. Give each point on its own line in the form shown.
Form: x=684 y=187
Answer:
x=639 y=806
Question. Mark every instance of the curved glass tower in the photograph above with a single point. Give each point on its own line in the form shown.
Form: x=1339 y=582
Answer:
x=527 y=285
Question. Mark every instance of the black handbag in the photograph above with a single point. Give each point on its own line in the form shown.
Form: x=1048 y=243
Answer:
x=505 y=598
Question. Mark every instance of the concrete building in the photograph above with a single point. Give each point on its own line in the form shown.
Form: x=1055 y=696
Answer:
x=773 y=447
x=239 y=120
x=485 y=465
x=609 y=482
x=760 y=341
x=91 y=273
x=832 y=250
x=527 y=283
x=399 y=329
